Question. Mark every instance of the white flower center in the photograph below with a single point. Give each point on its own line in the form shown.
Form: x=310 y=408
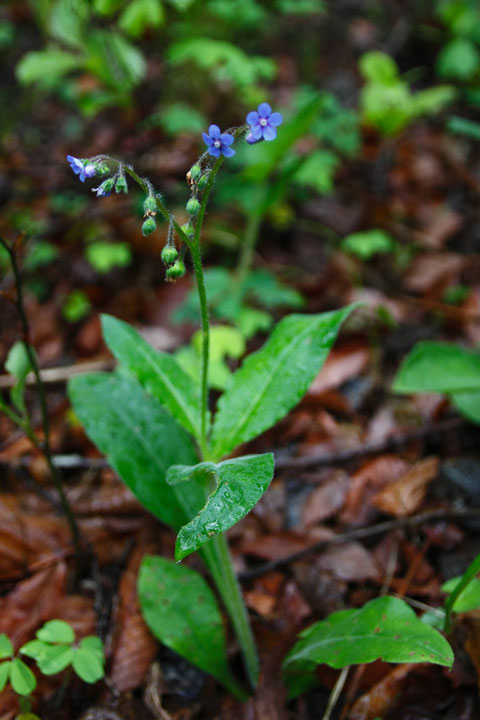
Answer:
x=263 y=122
x=217 y=143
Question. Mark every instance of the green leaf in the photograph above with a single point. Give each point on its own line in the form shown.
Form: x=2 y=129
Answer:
x=56 y=631
x=87 y=664
x=378 y=67
x=139 y=437
x=159 y=373
x=93 y=644
x=176 y=118
x=6 y=647
x=104 y=256
x=47 y=65
x=240 y=485
x=181 y=611
x=18 y=364
x=385 y=628
x=140 y=15
x=54 y=659
x=468 y=599
x=458 y=59
x=271 y=381
x=76 y=306
x=34 y=649
x=318 y=171
x=438 y=367
x=22 y=678
x=467 y=577
x=368 y=243
x=468 y=404
x=4 y=673
x=462 y=126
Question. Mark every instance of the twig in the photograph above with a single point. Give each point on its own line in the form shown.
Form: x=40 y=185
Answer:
x=359 y=533
x=44 y=446
x=335 y=694
x=50 y=376
x=392 y=443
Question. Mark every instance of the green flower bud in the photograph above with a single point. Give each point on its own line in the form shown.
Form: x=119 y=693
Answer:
x=195 y=171
x=176 y=271
x=202 y=181
x=149 y=205
x=169 y=254
x=188 y=229
x=121 y=185
x=148 y=226
x=101 y=169
x=107 y=185
x=193 y=206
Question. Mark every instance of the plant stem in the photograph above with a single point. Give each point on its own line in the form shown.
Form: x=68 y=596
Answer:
x=202 y=297
x=221 y=567
x=45 y=446
x=335 y=694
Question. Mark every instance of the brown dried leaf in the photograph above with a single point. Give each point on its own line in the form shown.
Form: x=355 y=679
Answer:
x=349 y=561
x=403 y=496
x=366 y=483
x=326 y=499
x=342 y=364
x=134 y=646
x=377 y=701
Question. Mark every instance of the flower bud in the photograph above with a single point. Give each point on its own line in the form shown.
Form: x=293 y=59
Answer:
x=202 y=181
x=107 y=185
x=193 y=206
x=149 y=205
x=195 y=171
x=176 y=271
x=169 y=254
x=121 y=184
x=188 y=229
x=148 y=226
x=101 y=169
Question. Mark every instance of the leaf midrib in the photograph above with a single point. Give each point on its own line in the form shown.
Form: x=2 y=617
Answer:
x=257 y=399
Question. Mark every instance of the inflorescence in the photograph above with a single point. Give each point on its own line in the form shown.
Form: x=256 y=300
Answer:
x=261 y=124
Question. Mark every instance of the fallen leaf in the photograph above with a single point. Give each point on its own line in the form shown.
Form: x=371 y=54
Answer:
x=404 y=496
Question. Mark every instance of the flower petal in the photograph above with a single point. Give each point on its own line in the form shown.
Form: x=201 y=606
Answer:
x=252 y=117
x=226 y=139
x=256 y=131
x=251 y=140
x=207 y=138
x=228 y=151
x=264 y=110
x=212 y=150
x=275 y=119
x=269 y=132
x=214 y=132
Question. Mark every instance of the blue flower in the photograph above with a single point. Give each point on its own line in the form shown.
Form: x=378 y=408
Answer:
x=101 y=191
x=80 y=168
x=218 y=143
x=263 y=123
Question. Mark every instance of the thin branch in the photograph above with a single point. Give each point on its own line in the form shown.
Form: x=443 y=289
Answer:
x=392 y=443
x=360 y=533
x=51 y=376
x=44 y=446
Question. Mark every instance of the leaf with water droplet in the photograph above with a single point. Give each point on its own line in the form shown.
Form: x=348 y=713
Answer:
x=241 y=483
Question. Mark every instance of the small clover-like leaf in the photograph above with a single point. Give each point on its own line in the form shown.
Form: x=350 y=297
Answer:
x=6 y=647
x=56 y=631
x=4 y=673
x=22 y=679
x=93 y=644
x=55 y=659
x=87 y=664
x=34 y=649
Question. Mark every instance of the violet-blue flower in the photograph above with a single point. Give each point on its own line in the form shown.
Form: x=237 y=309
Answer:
x=218 y=143
x=263 y=123
x=82 y=167
x=101 y=191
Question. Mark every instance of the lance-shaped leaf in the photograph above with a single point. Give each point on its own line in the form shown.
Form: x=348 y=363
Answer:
x=181 y=611
x=271 y=381
x=159 y=373
x=385 y=628
x=140 y=439
x=240 y=485
x=440 y=368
